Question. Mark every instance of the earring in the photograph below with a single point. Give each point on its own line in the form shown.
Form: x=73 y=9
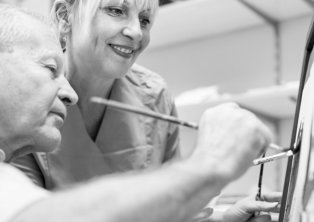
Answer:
x=2 y=156
x=63 y=42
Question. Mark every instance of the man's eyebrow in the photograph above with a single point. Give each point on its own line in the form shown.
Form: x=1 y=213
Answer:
x=50 y=55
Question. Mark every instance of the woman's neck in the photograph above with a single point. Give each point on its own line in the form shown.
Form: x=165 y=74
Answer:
x=88 y=85
x=88 y=81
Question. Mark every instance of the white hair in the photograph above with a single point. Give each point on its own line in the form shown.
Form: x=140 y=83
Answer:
x=12 y=27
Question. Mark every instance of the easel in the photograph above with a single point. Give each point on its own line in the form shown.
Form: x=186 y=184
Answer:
x=291 y=205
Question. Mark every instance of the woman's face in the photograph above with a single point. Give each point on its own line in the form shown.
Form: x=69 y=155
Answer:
x=117 y=34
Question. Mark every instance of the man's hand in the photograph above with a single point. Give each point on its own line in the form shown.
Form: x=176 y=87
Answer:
x=229 y=139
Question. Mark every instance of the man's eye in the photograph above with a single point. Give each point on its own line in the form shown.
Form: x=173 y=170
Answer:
x=52 y=69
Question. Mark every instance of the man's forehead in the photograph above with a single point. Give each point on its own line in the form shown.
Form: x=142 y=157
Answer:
x=30 y=34
x=43 y=41
x=42 y=29
x=45 y=54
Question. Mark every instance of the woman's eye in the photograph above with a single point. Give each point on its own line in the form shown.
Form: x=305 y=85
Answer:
x=145 y=22
x=114 y=11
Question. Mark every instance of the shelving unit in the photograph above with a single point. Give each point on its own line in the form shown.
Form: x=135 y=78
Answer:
x=185 y=21
x=274 y=102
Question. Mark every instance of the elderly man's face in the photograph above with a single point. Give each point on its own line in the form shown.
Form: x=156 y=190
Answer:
x=34 y=91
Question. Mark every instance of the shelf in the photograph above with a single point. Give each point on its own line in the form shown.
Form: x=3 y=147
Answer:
x=274 y=102
x=186 y=21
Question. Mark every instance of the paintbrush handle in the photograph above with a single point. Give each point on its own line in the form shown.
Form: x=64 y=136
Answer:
x=121 y=106
x=133 y=109
x=273 y=157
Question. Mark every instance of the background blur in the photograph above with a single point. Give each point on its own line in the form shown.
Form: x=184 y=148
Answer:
x=212 y=51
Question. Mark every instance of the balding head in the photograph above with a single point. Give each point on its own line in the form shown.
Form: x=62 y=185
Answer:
x=17 y=25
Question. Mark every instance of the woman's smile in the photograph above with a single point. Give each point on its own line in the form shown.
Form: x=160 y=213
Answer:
x=124 y=51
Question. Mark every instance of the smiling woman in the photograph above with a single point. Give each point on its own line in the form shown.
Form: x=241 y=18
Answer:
x=103 y=39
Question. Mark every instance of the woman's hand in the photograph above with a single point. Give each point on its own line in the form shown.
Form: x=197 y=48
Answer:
x=245 y=209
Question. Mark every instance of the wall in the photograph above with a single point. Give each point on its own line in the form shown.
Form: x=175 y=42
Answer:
x=41 y=7
x=211 y=61
x=293 y=38
x=236 y=62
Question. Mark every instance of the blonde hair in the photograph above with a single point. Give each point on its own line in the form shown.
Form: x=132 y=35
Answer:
x=85 y=10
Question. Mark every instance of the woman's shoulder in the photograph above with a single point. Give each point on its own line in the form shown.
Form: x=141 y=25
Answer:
x=146 y=78
x=150 y=86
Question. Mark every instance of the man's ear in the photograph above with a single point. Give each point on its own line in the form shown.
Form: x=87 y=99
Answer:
x=62 y=16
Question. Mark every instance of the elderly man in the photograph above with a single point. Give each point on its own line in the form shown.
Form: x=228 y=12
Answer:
x=33 y=98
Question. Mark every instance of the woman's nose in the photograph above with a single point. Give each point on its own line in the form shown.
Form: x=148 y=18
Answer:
x=133 y=30
x=67 y=94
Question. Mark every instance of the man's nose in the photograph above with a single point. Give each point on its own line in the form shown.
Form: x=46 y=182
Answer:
x=67 y=94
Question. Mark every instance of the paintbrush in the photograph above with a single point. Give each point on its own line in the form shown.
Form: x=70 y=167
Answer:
x=133 y=109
